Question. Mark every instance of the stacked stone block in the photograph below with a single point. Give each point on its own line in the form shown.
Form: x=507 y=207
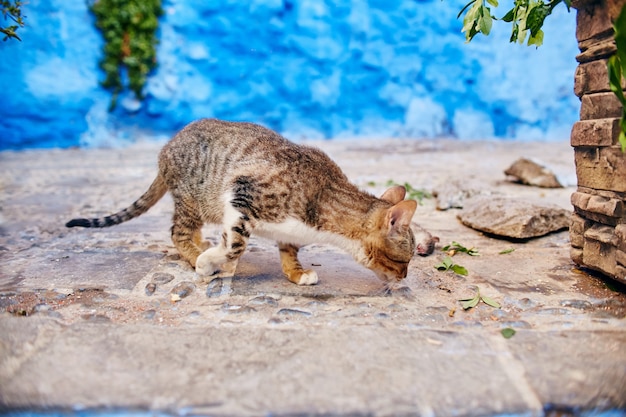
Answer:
x=598 y=228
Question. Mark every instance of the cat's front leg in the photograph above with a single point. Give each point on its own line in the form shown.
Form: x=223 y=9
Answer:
x=221 y=260
x=292 y=268
x=209 y=261
x=209 y=267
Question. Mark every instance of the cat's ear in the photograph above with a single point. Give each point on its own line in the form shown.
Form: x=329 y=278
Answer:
x=394 y=195
x=399 y=216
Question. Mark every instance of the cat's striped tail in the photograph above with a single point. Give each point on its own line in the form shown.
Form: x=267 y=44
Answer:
x=139 y=207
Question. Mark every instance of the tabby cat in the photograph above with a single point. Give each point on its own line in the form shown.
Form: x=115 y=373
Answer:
x=253 y=181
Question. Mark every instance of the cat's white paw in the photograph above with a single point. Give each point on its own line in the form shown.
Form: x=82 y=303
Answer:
x=205 y=265
x=308 y=277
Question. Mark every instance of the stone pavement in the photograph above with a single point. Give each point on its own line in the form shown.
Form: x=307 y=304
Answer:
x=113 y=320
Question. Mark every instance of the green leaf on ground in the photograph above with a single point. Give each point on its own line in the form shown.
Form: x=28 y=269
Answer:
x=455 y=247
x=506 y=251
x=468 y=303
x=507 y=333
x=490 y=301
x=461 y=270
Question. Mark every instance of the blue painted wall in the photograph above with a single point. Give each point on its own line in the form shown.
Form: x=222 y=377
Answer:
x=307 y=68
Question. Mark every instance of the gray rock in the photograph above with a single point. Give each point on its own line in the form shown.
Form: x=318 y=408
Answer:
x=162 y=278
x=183 y=289
x=150 y=288
x=530 y=172
x=513 y=218
x=214 y=289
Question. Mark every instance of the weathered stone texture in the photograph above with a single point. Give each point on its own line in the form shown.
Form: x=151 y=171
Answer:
x=599 y=106
x=577 y=255
x=593 y=49
x=598 y=227
x=601 y=168
x=576 y=231
x=599 y=250
x=598 y=132
x=620 y=233
x=595 y=18
x=592 y=77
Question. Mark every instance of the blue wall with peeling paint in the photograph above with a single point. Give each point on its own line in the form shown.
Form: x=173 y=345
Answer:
x=307 y=68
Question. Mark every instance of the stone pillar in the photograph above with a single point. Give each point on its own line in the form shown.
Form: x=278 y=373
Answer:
x=598 y=228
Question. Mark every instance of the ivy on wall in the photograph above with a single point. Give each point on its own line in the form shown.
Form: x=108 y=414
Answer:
x=129 y=29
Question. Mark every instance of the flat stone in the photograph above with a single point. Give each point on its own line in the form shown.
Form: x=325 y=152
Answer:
x=601 y=168
x=513 y=218
x=596 y=49
x=529 y=172
x=600 y=106
x=597 y=132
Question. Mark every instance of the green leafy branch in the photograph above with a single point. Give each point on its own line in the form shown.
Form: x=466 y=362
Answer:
x=617 y=70
x=468 y=303
x=11 y=10
x=129 y=30
x=527 y=18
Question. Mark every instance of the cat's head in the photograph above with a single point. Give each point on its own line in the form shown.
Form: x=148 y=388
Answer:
x=390 y=245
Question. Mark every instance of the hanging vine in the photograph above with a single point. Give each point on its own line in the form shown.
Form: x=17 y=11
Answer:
x=129 y=29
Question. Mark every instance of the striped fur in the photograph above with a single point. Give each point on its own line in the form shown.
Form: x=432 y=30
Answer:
x=253 y=181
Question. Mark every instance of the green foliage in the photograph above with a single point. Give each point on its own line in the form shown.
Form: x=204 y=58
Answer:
x=12 y=10
x=506 y=251
x=468 y=303
x=617 y=70
x=129 y=30
x=448 y=265
x=527 y=18
x=456 y=247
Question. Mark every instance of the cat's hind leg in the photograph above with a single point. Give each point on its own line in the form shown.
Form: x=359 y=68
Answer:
x=221 y=260
x=202 y=244
x=186 y=231
x=292 y=268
